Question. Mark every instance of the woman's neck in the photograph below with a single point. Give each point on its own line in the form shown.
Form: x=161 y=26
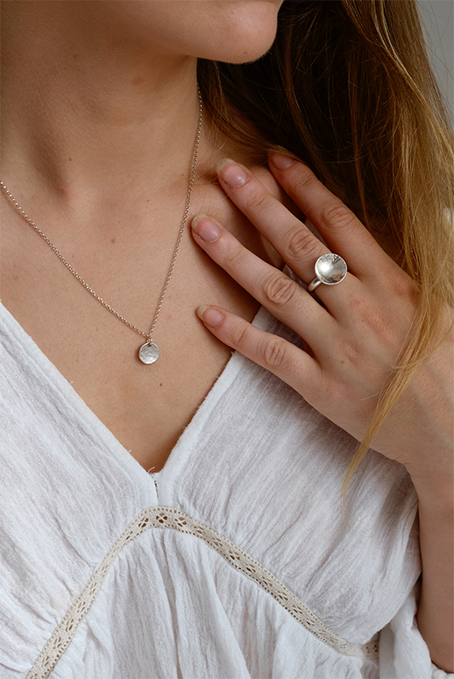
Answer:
x=85 y=109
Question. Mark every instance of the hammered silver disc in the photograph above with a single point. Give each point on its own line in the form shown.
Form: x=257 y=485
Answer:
x=149 y=353
x=330 y=269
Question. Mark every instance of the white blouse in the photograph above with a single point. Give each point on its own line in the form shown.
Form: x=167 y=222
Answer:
x=233 y=562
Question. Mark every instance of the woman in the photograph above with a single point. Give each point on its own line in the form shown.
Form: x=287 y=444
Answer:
x=231 y=557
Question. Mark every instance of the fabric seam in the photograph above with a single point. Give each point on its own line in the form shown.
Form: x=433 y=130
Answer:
x=170 y=518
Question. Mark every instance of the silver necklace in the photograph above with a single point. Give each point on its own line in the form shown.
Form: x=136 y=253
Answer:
x=149 y=351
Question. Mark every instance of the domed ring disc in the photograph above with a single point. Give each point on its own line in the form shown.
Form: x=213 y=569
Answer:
x=330 y=269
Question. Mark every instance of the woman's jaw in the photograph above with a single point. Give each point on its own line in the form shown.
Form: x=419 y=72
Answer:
x=111 y=85
x=234 y=31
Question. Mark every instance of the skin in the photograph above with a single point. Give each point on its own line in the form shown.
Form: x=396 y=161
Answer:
x=352 y=343
x=92 y=131
x=98 y=122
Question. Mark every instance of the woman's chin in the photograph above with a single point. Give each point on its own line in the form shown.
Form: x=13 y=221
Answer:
x=248 y=37
x=251 y=52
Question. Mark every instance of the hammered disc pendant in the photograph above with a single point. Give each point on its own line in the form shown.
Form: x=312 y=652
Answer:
x=149 y=353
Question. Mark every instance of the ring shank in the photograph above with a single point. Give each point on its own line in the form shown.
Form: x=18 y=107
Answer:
x=314 y=284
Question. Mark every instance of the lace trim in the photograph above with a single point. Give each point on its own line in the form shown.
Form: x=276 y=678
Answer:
x=163 y=517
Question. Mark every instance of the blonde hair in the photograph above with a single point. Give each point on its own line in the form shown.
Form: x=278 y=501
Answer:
x=347 y=87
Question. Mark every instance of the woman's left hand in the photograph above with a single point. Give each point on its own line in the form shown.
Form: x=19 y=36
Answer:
x=355 y=339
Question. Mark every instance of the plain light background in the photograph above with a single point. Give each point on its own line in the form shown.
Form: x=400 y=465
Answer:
x=438 y=22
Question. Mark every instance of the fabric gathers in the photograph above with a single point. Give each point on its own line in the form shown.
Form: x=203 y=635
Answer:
x=233 y=562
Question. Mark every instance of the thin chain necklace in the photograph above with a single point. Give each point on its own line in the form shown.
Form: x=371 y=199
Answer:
x=149 y=351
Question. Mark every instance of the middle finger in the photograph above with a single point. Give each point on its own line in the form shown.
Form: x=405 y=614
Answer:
x=296 y=244
x=298 y=247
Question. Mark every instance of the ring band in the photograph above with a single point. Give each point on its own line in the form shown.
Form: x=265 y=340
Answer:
x=330 y=269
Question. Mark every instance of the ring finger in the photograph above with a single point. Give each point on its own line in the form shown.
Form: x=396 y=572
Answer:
x=296 y=244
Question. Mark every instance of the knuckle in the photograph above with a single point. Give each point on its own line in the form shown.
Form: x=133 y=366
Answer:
x=351 y=353
x=239 y=334
x=404 y=288
x=280 y=290
x=303 y=179
x=302 y=241
x=233 y=257
x=337 y=216
x=274 y=353
x=259 y=201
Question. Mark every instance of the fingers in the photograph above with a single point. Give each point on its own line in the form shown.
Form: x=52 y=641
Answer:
x=296 y=244
x=282 y=296
x=298 y=247
x=280 y=357
x=339 y=227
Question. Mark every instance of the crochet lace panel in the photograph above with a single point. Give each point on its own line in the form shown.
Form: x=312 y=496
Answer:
x=164 y=517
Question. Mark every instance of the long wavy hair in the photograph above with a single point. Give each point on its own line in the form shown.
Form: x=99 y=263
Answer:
x=347 y=87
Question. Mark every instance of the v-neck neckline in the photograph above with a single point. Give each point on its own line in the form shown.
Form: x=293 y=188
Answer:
x=91 y=422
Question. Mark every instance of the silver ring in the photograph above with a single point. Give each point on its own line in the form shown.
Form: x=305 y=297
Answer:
x=330 y=269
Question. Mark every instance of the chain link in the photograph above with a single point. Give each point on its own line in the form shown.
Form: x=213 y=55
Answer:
x=78 y=277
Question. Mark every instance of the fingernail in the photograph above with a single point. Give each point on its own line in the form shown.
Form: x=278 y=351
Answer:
x=205 y=228
x=231 y=173
x=282 y=162
x=210 y=316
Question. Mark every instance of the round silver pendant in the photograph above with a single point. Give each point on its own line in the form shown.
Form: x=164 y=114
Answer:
x=149 y=353
x=330 y=269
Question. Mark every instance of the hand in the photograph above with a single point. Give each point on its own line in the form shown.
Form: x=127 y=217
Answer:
x=354 y=340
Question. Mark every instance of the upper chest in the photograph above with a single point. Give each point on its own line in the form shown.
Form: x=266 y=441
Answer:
x=146 y=407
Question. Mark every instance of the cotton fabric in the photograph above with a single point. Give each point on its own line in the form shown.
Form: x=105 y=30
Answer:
x=258 y=465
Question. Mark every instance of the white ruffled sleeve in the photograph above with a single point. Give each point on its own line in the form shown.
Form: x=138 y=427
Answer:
x=403 y=651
